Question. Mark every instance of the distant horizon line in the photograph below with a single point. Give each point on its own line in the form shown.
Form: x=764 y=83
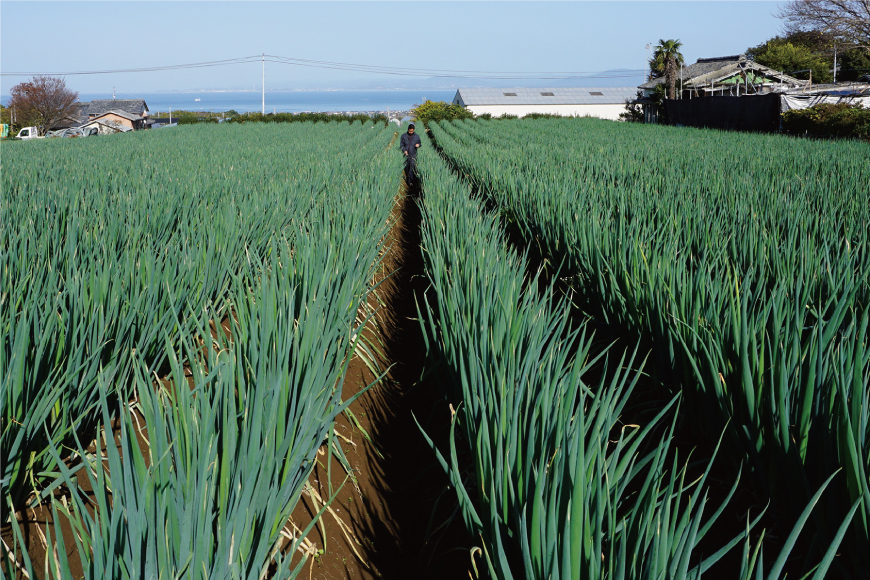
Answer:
x=283 y=90
x=198 y=91
x=286 y=90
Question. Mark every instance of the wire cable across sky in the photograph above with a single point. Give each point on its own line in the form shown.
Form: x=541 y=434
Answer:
x=354 y=67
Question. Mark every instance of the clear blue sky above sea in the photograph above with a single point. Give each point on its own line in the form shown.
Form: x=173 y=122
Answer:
x=481 y=36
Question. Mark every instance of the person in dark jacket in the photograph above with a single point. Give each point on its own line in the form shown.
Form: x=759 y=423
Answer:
x=409 y=144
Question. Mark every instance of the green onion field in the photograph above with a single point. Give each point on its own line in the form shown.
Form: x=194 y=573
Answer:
x=648 y=346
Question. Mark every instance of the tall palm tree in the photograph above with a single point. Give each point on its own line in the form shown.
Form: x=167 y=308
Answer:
x=665 y=61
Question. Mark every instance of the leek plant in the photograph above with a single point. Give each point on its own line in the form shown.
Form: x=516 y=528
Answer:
x=115 y=276
x=742 y=261
x=226 y=460
x=560 y=486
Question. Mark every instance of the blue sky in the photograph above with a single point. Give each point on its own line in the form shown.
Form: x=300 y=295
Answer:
x=486 y=36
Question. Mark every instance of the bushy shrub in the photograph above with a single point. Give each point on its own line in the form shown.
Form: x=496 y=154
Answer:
x=633 y=110
x=191 y=119
x=542 y=116
x=854 y=64
x=840 y=120
x=440 y=111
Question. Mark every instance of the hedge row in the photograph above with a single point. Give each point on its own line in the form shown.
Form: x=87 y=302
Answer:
x=297 y=117
x=840 y=120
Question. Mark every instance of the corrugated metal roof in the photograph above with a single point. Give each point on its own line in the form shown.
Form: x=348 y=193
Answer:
x=556 y=96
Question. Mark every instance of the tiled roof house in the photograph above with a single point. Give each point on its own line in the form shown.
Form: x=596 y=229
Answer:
x=131 y=113
x=120 y=118
x=135 y=107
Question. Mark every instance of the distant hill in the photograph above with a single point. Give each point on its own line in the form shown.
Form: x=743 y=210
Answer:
x=613 y=78
x=609 y=78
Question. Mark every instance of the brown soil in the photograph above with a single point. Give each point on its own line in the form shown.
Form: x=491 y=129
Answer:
x=400 y=518
x=33 y=522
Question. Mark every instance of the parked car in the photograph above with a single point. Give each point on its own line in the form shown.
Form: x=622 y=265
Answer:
x=28 y=133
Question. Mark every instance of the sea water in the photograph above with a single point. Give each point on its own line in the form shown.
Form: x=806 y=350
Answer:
x=283 y=102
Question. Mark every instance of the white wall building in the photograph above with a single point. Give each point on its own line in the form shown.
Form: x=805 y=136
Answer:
x=604 y=103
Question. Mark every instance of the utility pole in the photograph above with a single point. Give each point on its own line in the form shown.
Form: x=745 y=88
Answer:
x=648 y=59
x=264 y=83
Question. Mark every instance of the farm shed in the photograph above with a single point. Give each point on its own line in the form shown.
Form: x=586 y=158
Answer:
x=605 y=103
x=727 y=76
x=798 y=101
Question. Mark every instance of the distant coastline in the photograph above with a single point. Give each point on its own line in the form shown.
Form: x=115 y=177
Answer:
x=296 y=90
x=297 y=101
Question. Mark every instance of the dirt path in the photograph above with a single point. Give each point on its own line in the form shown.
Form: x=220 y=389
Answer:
x=401 y=519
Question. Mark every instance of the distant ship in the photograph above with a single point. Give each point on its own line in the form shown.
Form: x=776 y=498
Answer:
x=195 y=100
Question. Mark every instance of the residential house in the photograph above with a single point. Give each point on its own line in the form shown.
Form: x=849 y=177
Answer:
x=122 y=118
x=107 y=124
x=135 y=107
x=130 y=113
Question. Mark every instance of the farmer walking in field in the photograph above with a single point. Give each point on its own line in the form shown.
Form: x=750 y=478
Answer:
x=409 y=144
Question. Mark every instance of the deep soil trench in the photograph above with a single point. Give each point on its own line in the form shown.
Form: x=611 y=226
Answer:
x=400 y=519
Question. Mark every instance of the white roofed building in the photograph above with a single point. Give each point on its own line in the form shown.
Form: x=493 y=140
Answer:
x=605 y=102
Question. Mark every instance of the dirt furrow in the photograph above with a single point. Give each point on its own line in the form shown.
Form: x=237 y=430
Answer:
x=399 y=519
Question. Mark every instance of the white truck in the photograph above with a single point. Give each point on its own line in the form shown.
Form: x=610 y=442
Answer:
x=28 y=133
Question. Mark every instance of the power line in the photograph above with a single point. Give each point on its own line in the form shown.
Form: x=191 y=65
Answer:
x=457 y=74
x=432 y=72
x=355 y=67
x=206 y=64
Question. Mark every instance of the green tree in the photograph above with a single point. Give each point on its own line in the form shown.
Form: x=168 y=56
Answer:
x=440 y=111
x=796 y=52
x=633 y=111
x=853 y=64
x=6 y=119
x=665 y=61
